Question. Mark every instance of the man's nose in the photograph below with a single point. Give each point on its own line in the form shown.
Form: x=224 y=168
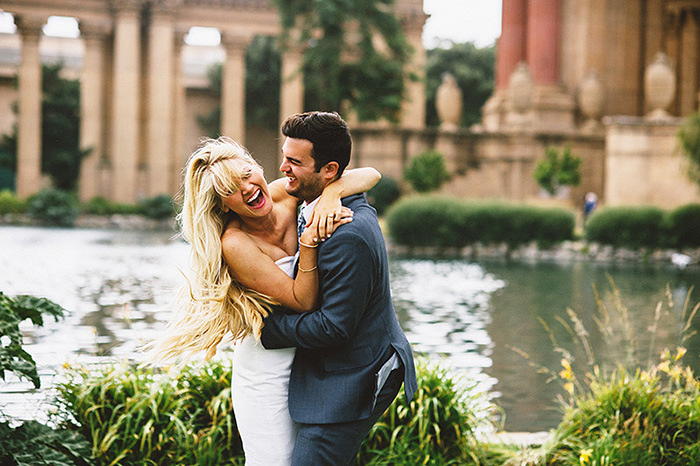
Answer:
x=284 y=166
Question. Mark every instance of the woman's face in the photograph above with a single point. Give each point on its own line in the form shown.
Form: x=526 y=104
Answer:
x=253 y=198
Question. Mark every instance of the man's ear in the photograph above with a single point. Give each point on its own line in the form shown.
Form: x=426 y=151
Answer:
x=330 y=171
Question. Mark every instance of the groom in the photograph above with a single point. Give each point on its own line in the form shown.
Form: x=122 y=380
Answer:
x=352 y=355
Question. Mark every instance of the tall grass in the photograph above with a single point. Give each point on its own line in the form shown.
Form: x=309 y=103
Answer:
x=635 y=411
x=144 y=416
x=437 y=427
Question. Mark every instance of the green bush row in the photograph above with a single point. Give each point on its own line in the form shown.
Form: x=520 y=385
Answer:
x=56 y=207
x=651 y=227
x=449 y=222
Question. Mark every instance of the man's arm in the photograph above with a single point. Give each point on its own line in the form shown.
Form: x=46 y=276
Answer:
x=347 y=267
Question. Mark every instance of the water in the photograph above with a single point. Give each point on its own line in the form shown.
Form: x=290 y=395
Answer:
x=479 y=317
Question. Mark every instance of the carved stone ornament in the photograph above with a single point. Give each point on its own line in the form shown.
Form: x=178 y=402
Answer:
x=590 y=100
x=520 y=88
x=448 y=102
x=591 y=95
x=659 y=86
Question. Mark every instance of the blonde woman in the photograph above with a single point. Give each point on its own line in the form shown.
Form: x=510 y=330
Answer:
x=244 y=244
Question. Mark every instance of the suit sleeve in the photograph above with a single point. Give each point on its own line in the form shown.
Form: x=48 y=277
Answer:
x=346 y=266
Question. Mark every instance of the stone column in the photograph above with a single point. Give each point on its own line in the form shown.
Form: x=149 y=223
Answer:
x=552 y=108
x=510 y=51
x=511 y=45
x=413 y=107
x=179 y=153
x=29 y=125
x=688 y=82
x=543 y=41
x=126 y=98
x=92 y=105
x=292 y=89
x=161 y=70
x=233 y=87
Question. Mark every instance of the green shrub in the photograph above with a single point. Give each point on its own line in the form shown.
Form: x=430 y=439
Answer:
x=449 y=222
x=144 y=416
x=689 y=137
x=554 y=171
x=10 y=203
x=383 y=194
x=158 y=207
x=632 y=227
x=34 y=443
x=426 y=172
x=683 y=226
x=649 y=417
x=102 y=206
x=53 y=207
x=438 y=426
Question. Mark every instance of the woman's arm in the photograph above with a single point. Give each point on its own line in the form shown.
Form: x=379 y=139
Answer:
x=252 y=268
x=328 y=210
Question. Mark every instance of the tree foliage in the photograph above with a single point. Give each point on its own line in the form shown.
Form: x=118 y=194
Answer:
x=472 y=67
x=354 y=54
x=60 y=130
x=689 y=138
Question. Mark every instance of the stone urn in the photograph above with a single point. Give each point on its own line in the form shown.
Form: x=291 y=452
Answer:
x=520 y=88
x=590 y=101
x=659 y=86
x=448 y=103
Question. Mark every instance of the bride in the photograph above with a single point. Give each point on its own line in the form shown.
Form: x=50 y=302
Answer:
x=244 y=244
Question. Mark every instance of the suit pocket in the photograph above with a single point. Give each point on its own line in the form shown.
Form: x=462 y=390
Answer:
x=346 y=360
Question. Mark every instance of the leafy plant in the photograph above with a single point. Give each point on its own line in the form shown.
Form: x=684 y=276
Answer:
x=60 y=142
x=449 y=222
x=683 y=226
x=137 y=415
x=427 y=171
x=383 y=194
x=472 y=67
x=158 y=207
x=633 y=227
x=689 y=137
x=13 y=358
x=342 y=65
x=558 y=169
x=438 y=426
x=53 y=207
x=33 y=443
x=10 y=203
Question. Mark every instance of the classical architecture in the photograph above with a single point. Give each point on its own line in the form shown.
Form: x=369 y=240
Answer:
x=616 y=72
x=138 y=100
x=611 y=78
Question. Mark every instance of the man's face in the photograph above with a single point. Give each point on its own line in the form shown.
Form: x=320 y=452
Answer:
x=303 y=181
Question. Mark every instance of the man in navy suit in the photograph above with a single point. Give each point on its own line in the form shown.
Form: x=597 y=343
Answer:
x=352 y=355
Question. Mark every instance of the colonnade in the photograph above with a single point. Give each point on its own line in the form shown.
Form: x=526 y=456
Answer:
x=132 y=89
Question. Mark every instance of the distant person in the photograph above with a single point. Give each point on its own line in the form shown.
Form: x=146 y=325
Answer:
x=589 y=205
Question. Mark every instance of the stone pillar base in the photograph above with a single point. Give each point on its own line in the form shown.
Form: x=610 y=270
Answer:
x=494 y=111
x=551 y=110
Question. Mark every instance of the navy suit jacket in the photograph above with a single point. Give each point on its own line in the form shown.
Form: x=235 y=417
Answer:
x=342 y=346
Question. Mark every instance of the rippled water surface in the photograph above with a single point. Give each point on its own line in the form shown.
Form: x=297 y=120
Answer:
x=480 y=317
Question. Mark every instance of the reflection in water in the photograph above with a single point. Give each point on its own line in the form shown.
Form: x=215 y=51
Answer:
x=117 y=286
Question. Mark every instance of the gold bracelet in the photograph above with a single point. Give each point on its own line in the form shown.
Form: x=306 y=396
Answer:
x=308 y=270
x=308 y=245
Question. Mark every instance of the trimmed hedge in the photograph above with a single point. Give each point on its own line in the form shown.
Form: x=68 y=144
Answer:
x=683 y=226
x=449 y=222
x=632 y=227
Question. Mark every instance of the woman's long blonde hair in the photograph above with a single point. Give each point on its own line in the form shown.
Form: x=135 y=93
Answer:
x=213 y=303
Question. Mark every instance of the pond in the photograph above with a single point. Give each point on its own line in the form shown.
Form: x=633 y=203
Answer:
x=496 y=323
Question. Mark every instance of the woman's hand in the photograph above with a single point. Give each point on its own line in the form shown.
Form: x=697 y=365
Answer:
x=326 y=217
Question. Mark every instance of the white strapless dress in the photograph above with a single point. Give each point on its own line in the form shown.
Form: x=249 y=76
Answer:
x=260 y=389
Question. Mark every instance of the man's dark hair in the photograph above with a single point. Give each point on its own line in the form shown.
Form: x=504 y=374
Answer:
x=328 y=133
